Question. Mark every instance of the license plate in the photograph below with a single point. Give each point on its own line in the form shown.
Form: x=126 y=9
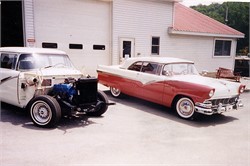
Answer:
x=229 y=108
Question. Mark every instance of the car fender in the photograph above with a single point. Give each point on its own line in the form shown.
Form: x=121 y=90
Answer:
x=196 y=92
x=8 y=86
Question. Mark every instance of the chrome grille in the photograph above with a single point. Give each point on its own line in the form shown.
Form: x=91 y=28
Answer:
x=224 y=101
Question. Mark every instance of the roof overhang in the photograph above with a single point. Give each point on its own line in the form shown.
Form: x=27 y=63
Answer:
x=169 y=0
x=171 y=30
x=150 y=0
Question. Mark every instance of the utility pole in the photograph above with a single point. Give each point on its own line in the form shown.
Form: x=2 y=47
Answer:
x=226 y=17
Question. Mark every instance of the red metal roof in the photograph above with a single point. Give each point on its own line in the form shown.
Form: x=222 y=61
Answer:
x=189 y=21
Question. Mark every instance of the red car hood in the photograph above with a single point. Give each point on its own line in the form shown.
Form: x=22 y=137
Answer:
x=223 y=88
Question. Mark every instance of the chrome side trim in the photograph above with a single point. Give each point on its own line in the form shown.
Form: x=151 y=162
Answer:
x=7 y=79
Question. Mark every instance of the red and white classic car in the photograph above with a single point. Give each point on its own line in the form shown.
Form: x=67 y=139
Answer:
x=171 y=82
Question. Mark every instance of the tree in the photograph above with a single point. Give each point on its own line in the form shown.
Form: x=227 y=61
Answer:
x=233 y=14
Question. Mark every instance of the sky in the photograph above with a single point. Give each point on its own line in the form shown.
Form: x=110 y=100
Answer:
x=208 y=2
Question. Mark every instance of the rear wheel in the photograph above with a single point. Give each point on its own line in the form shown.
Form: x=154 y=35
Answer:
x=185 y=108
x=45 y=111
x=115 y=92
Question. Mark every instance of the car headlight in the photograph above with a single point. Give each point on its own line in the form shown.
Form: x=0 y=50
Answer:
x=211 y=93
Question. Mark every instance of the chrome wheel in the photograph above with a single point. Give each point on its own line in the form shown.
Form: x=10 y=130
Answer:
x=115 y=92
x=45 y=111
x=185 y=108
x=41 y=112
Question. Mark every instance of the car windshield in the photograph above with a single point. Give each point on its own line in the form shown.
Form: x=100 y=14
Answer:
x=179 y=69
x=36 y=61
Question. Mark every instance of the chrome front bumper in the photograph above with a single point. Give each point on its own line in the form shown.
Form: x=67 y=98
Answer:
x=208 y=108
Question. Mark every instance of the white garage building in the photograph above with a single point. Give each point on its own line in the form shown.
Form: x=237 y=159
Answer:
x=96 y=32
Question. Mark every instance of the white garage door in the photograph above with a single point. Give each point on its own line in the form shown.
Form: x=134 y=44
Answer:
x=82 y=28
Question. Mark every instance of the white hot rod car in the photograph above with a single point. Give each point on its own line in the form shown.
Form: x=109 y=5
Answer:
x=45 y=82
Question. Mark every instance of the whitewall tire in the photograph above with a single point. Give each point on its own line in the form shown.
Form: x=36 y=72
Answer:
x=115 y=92
x=185 y=108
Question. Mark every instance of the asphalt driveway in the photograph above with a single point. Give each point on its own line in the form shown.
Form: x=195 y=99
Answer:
x=132 y=132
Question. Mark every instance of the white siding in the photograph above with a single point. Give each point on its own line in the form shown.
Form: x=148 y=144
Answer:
x=200 y=50
x=104 y=22
x=84 y=22
x=29 y=29
x=141 y=20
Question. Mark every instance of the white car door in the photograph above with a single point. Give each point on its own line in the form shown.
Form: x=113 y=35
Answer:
x=151 y=82
x=8 y=86
x=9 y=79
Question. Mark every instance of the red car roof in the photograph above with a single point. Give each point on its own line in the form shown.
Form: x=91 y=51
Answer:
x=187 y=20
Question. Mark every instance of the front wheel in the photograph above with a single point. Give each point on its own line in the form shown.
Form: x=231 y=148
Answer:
x=185 y=108
x=102 y=107
x=45 y=111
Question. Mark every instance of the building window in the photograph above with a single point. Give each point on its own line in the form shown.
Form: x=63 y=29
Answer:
x=75 y=46
x=49 y=45
x=99 y=47
x=222 y=48
x=155 y=50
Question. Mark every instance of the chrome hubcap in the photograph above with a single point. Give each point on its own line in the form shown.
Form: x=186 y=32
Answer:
x=116 y=92
x=185 y=108
x=41 y=112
